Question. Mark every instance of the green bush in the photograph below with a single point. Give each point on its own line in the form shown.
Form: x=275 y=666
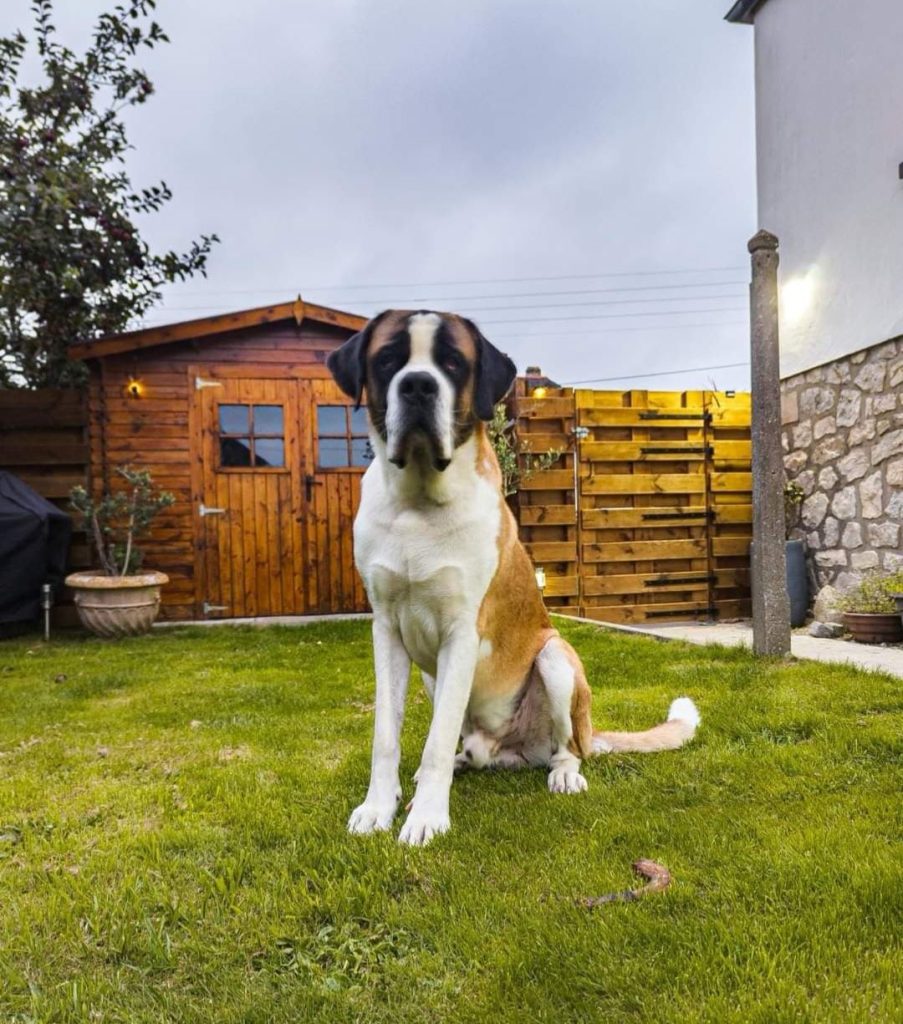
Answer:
x=874 y=594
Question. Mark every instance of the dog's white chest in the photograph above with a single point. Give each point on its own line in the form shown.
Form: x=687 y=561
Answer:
x=427 y=568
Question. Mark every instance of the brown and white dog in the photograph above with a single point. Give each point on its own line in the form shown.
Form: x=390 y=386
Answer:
x=451 y=586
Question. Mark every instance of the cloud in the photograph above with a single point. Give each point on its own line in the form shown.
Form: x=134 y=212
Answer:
x=349 y=143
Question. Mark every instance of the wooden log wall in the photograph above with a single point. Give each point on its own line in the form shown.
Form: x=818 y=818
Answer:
x=43 y=441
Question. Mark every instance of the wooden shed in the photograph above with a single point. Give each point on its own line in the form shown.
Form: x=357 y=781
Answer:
x=239 y=418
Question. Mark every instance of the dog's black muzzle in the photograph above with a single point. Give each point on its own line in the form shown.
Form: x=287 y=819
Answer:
x=418 y=392
x=418 y=389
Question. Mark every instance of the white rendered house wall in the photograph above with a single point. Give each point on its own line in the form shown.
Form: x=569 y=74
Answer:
x=829 y=133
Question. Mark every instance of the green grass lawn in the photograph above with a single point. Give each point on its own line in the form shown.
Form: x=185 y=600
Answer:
x=173 y=845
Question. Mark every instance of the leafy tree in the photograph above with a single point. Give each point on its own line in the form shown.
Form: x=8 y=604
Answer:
x=72 y=263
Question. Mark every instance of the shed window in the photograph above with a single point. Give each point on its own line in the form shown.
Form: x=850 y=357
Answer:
x=342 y=438
x=251 y=436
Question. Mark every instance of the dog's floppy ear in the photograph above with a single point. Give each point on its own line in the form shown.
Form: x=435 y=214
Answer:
x=348 y=364
x=495 y=374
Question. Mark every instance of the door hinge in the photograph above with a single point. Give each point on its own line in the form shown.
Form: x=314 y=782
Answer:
x=200 y=383
x=206 y=511
x=208 y=607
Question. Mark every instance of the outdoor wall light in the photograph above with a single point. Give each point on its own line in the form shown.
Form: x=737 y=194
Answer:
x=540 y=577
x=797 y=298
x=135 y=388
x=536 y=383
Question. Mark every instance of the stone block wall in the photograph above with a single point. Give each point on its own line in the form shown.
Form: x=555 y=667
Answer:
x=842 y=432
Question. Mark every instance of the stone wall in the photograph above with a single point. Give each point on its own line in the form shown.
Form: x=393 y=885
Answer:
x=842 y=432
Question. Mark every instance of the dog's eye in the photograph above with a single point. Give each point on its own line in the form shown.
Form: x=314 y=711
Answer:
x=387 y=363
x=451 y=362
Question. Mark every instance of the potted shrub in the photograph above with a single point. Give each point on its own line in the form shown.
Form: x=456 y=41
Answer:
x=119 y=599
x=797 y=579
x=869 y=611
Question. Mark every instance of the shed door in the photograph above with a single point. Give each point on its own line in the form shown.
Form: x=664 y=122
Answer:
x=339 y=454
x=253 y=498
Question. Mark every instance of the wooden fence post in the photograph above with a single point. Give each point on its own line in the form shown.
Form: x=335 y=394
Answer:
x=770 y=603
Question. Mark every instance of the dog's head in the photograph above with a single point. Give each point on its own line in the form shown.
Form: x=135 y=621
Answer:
x=429 y=378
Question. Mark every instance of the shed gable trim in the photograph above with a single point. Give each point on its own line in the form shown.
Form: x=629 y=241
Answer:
x=744 y=11
x=186 y=330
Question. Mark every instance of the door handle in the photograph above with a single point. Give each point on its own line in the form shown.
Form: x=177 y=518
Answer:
x=310 y=481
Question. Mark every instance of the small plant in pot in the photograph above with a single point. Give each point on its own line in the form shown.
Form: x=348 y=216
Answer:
x=120 y=599
x=869 y=610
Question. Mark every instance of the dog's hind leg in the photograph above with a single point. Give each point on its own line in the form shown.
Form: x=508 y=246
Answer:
x=568 y=695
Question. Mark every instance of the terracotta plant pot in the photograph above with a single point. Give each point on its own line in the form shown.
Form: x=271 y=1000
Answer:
x=113 y=606
x=874 y=628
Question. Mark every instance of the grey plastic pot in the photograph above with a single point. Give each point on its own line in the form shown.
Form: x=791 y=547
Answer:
x=797 y=581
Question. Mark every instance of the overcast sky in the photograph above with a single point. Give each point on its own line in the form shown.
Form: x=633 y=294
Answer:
x=577 y=175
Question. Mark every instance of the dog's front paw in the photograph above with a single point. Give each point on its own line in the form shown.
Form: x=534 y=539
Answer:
x=422 y=825
x=566 y=780
x=371 y=817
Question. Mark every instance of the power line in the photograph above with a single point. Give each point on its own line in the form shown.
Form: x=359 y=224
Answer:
x=614 y=316
x=522 y=336
x=544 y=305
x=481 y=281
x=562 y=332
x=402 y=303
x=660 y=373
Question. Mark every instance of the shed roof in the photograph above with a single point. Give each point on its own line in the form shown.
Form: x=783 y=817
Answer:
x=186 y=330
x=744 y=11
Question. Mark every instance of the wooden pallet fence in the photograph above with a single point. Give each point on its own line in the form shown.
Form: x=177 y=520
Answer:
x=650 y=518
x=546 y=499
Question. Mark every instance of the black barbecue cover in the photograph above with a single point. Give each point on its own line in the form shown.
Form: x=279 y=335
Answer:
x=34 y=541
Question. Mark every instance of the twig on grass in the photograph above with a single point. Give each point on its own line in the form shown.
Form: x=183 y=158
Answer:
x=658 y=876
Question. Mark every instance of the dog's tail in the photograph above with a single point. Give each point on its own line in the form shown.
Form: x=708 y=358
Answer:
x=683 y=719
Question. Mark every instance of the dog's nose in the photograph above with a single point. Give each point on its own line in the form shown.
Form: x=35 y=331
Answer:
x=418 y=387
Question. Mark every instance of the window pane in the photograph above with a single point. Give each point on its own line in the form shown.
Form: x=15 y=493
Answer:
x=331 y=420
x=361 y=452
x=235 y=451
x=359 y=421
x=268 y=419
x=333 y=452
x=269 y=451
x=233 y=419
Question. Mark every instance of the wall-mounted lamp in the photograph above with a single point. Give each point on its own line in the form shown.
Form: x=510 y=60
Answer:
x=134 y=388
x=537 y=384
x=540 y=577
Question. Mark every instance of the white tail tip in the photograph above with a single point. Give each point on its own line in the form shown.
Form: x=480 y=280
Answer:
x=685 y=710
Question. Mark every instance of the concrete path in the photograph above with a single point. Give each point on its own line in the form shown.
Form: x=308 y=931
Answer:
x=731 y=634
x=735 y=634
